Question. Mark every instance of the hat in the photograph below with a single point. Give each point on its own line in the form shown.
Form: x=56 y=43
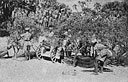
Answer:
x=26 y=28
x=66 y=33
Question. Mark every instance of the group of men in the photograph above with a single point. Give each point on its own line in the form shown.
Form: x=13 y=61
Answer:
x=67 y=46
x=89 y=49
x=15 y=43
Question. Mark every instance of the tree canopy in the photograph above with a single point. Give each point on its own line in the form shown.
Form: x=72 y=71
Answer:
x=109 y=22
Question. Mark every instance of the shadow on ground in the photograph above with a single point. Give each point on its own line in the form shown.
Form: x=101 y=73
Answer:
x=104 y=69
x=46 y=58
x=6 y=57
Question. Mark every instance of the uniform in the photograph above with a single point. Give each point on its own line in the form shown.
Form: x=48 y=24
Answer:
x=94 y=41
x=66 y=47
x=27 y=41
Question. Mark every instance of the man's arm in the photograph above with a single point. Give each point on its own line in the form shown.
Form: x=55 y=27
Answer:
x=22 y=35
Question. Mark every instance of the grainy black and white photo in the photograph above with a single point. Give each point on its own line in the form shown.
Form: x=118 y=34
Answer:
x=63 y=40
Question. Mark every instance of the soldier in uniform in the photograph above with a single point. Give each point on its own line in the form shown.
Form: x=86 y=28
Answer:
x=93 y=43
x=93 y=52
x=66 y=46
x=27 y=42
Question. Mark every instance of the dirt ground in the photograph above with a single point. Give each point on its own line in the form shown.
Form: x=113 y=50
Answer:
x=19 y=70
x=35 y=70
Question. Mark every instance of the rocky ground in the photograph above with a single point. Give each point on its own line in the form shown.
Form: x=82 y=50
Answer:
x=35 y=70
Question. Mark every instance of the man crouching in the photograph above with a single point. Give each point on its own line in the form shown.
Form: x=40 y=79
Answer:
x=100 y=59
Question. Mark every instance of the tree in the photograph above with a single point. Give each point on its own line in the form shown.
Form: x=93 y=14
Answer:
x=97 y=6
x=75 y=7
x=82 y=4
x=8 y=6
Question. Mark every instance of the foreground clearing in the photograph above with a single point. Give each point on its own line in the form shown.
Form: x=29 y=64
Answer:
x=45 y=71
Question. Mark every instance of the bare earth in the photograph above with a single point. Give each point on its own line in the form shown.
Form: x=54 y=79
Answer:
x=45 y=71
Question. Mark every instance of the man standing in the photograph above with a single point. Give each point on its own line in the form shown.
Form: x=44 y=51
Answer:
x=93 y=52
x=27 y=42
x=65 y=45
x=93 y=43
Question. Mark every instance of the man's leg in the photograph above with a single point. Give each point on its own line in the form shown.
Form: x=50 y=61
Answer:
x=101 y=64
x=96 y=67
x=25 y=50
x=28 y=52
x=64 y=51
x=15 y=52
x=68 y=53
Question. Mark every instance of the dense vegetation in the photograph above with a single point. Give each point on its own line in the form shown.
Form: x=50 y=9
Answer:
x=109 y=22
